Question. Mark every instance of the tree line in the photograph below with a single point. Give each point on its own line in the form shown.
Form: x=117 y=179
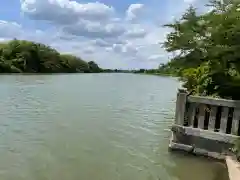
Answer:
x=208 y=50
x=20 y=56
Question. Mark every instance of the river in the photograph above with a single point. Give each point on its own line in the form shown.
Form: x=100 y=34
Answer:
x=92 y=127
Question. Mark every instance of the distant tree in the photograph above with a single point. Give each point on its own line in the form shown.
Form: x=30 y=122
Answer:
x=74 y=64
x=142 y=70
x=93 y=67
x=28 y=57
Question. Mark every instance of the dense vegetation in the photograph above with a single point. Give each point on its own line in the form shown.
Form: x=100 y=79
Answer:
x=27 y=57
x=236 y=150
x=208 y=48
x=163 y=70
x=117 y=71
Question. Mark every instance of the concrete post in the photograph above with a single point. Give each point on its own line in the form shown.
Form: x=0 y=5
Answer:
x=180 y=107
x=224 y=119
x=236 y=121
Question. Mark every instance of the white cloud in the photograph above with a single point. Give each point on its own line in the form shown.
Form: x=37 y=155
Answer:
x=65 y=11
x=189 y=1
x=101 y=43
x=79 y=19
x=127 y=48
x=155 y=57
x=133 y=11
x=136 y=32
x=96 y=31
x=10 y=29
x=89 y=50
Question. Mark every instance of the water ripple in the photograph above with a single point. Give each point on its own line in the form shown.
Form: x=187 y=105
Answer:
x=91 y=126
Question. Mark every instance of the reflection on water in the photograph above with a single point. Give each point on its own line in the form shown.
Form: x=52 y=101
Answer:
x=94 y=126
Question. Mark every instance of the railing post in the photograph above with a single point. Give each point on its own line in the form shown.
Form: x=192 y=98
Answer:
x=180 y=107
x=201 y=116
x=191 y=114
x=224 y=119
x=212 y=118
x=236 y=121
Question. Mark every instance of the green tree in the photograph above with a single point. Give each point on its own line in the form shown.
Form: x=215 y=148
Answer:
x=93 y=67
x=28 y=57
x=74 y=64
x=209 y=49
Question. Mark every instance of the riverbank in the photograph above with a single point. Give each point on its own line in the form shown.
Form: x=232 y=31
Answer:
x=233 y=168
x=157 y=74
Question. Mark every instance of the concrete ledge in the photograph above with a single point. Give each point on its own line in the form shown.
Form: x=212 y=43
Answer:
x=178 y=146
x=204 y=152
x=213 y=101
x=195 y=151
x=233 y=168
x=217 y=136
x=201 y=142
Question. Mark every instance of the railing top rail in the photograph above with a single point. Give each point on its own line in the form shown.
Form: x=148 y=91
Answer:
x=214 y=101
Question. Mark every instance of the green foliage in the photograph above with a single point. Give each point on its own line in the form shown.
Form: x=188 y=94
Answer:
x=93 y=67
x=197 y=79
x=117 y=71
x=236 y=149
x=208 y=49
x=73 y=64
x=28 y=57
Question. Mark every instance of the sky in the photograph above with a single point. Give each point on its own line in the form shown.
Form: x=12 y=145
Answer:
x=124 y=34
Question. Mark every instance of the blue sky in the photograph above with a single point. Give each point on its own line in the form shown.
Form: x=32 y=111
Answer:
x=114 y=33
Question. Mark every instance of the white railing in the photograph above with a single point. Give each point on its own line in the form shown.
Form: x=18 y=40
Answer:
x=217 y=115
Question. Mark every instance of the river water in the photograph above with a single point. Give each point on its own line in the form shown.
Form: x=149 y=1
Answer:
x=92 y=127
